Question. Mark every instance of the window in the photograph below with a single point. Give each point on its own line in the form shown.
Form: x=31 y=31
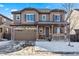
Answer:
x=57 y=30
x=40 y=30
x=17 y=17
x=57 y=18
x=43 y=18
x=30 y=17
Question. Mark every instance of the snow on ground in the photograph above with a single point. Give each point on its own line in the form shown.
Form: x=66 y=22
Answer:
x=58 y=46
x=27 y=51
x=4 y=44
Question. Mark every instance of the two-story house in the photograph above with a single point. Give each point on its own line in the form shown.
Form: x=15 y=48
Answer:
x=4 y=25
x=46 y=23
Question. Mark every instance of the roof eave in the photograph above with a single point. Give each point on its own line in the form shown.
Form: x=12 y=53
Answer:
x=6 y=17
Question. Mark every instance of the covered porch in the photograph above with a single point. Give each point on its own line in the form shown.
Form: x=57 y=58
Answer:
x=44 y=32
x=47 y=32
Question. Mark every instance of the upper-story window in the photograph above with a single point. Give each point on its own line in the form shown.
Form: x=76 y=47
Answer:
x=30 y=17
x=43 y=18
x=57 y=18
x=17 y=17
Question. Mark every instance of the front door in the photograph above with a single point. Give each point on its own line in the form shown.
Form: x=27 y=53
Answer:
x=47 y=31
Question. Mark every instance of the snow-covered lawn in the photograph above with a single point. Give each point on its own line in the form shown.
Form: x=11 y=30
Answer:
x=4 y=44
x=57 y=46
x=27 y=51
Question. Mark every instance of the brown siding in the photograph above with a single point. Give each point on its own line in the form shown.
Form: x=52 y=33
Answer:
x=49 y=17
x=14 y=18
x=29 y=11
x=60 y=13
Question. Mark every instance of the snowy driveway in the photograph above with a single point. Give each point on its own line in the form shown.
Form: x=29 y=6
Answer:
x=57 y=46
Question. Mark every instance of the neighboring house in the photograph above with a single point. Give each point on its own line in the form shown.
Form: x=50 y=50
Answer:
x=74 y=20
x=74 y=24
x=31 y=23
x=5 y=20
x=4 y=25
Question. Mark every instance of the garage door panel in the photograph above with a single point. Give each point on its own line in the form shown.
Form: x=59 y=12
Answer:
x=25 y=35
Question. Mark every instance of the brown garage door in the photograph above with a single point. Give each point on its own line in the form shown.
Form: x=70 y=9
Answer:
x=25 y=35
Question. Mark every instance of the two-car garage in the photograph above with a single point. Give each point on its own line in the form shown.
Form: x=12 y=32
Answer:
x=26 y=33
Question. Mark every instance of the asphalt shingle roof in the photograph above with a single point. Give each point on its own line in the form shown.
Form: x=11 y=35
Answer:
x=40 y=10
x=5 y=17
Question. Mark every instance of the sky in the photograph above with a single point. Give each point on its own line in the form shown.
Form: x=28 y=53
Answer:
x=7 y=8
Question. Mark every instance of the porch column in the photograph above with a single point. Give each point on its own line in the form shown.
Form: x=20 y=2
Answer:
x=12 y=33
x=12 y=37
x=37 y=37
x=66 y=33
x=52 y=32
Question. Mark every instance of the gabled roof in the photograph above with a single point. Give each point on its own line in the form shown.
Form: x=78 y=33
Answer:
x=44 y=10
x=39 y=10
x=76 y=9
x=6 y=17
x=58 y=10
x=16 y=12
x=29 y=9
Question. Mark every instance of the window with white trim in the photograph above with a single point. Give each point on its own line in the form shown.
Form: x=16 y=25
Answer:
x=30 y=17
x=43 y=18
x=41 y=30
x=57 y=30
x=57 y=18
x=17 y=17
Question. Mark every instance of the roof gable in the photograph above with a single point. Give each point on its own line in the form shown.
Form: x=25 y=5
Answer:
x=5 y=17
x=39 y=10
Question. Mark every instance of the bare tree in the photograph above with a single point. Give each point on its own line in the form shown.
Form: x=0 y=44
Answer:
x=68 y=7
